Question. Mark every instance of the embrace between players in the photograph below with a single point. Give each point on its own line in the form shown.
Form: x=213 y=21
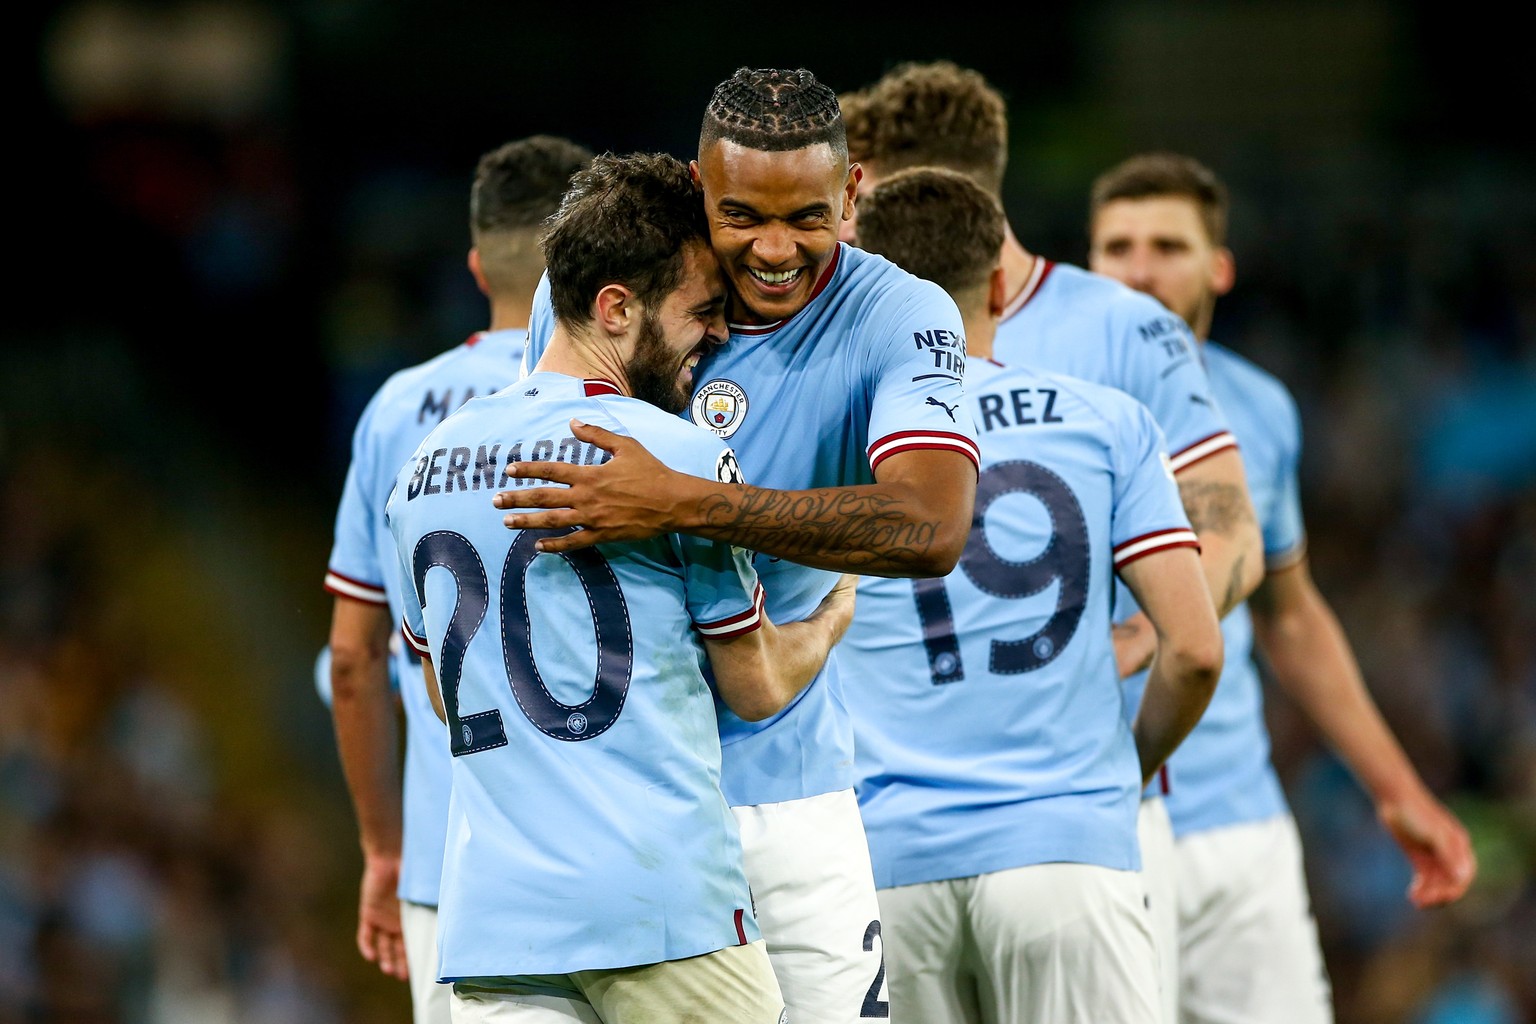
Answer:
x=790 y=685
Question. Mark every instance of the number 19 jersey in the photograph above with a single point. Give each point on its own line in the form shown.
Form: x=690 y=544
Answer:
x=586 y=825
x=988 y=717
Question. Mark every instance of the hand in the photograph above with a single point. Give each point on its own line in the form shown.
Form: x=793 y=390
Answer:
x=1135 y=643
x=629 y=497
x=380 y=937
x=836 y=609
x=1437 y=846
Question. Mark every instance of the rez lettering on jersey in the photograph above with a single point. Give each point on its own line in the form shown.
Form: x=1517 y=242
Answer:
x=947 y=348
x=463 y=470
x=1016 y=409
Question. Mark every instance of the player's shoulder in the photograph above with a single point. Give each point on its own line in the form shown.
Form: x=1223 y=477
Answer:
x=875 y=281
x=668 y=436
x=1247 y=376
x=1088 y=290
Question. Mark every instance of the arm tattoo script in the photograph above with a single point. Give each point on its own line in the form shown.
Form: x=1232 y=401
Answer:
x=829 y=528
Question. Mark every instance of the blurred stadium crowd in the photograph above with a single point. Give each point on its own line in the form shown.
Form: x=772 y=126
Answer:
x=175 y=842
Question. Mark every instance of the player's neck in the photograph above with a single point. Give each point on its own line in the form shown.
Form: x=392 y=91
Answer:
x=511 y=314
x=578 y=357
x=1018 y=263
x=980 y=331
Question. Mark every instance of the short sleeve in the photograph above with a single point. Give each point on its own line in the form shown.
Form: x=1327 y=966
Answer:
x=1148 y=514
x=1285 y=538
x=918 y=373
x=353 y=569
x=1165 y=374
x=724 y=596
x=413 y=626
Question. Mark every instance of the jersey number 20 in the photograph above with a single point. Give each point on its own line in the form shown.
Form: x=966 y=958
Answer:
x=615 y=644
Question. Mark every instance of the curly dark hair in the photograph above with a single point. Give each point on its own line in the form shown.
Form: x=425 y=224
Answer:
x=930 y=113
x=624 y=220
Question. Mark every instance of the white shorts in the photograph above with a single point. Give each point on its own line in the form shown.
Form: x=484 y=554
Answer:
x=813 y=894
x=430 y=998
x=734 y=984
x=1248 y=946
x=1159 y=875
x=1063 y=943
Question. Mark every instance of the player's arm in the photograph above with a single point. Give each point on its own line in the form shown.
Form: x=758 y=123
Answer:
x=913 y=521
x=434 y=694
x=1171 y=590
x=1214 y=492
x=367 y=737
x=758 y=673
x=1311 y=659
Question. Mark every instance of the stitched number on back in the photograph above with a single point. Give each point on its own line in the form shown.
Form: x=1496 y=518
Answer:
x=1064 y=560
x=472 y=596
x=938 y=622
x=610 y=618
x=874 y=1006
x=615 y=645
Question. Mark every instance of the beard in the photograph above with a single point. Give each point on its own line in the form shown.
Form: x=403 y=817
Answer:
x=653 y=370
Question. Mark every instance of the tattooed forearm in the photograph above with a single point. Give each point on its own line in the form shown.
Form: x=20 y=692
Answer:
x=861 y=530
x=1214 y=506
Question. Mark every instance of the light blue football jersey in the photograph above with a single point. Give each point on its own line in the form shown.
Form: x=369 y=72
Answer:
x=1221 y=774
x=988 y=714
x=871 y=367
x=586 y=827
x=1069 y=320
x=363 y=564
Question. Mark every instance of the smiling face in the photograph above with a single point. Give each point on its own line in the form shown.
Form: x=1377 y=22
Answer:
x=774 y=219
x=673 y=337
x=1159 y=245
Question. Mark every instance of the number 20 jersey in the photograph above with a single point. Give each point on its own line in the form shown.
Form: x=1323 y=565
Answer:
x=988 y=715
x=586 y=827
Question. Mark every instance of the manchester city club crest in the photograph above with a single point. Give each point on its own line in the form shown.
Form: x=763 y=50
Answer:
x=720 y=405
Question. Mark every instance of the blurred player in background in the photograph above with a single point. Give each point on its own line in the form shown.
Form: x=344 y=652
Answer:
x=1062 y=318
x=593 y=869
x=401 y=816
x=840 y=389
x=999 y=778
x=1248 y=946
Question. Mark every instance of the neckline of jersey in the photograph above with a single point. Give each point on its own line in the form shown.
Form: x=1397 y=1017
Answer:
x=1037 y=275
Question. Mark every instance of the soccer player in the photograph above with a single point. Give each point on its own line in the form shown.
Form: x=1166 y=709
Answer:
x=998 y=776
x=1248 y=947
x=840 y=389
x=593 y=868
x=402 y=816
x=1066 y=319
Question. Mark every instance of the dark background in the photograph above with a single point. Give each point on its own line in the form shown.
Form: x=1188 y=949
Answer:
x=234 y=220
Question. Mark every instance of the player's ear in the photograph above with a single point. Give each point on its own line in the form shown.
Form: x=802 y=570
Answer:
x=693 y=173
x=478 y=271
x=615 y=309
x=851 y=189
x=1223 y=271
x=997 y=291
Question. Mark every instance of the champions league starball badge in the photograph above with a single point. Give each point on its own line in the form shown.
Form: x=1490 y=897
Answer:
x=720 y=405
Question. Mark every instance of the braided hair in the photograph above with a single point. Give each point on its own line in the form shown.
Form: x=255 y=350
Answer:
x=774 y=110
